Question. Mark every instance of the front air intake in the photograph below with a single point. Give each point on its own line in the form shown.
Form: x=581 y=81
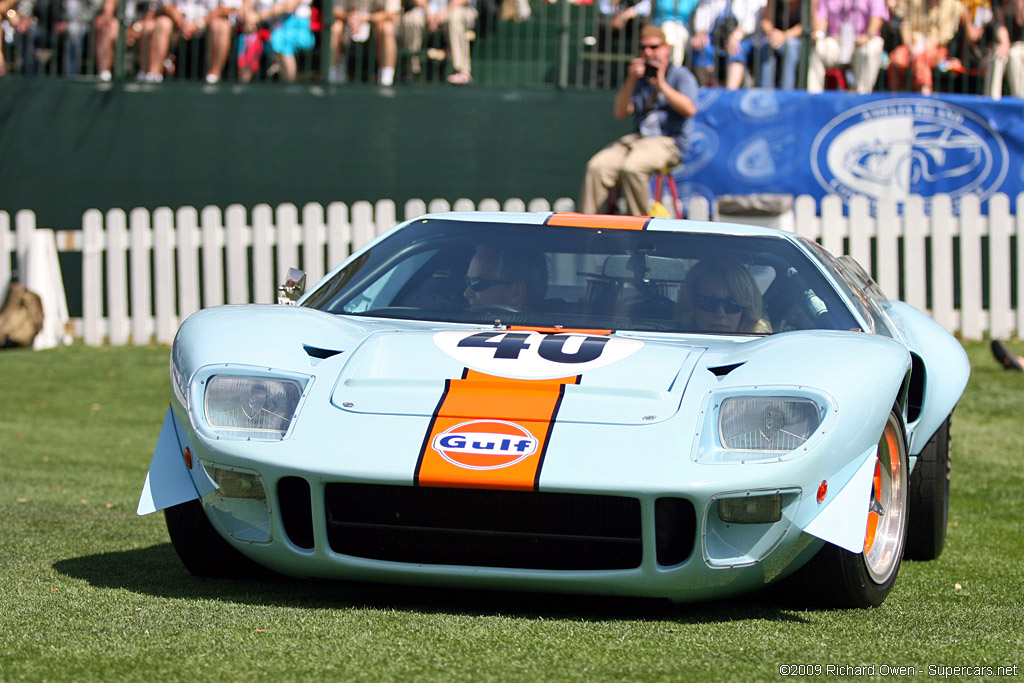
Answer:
x=483 y=528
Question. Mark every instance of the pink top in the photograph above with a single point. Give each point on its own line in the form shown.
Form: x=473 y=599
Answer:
x=857 y=12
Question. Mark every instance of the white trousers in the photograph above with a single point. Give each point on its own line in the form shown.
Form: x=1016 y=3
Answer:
x=827 y=53
x=997 y=67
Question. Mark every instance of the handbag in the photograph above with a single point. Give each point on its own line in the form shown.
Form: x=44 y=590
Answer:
x=724 y=27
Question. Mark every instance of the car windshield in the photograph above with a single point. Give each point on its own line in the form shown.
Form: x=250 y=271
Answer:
x=438 y=269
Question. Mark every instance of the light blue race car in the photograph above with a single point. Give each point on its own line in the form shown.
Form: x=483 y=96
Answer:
x=570 y=403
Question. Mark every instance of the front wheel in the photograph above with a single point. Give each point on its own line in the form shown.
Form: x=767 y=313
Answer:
x=202 y=550
x=838 y=578
x=929 y=497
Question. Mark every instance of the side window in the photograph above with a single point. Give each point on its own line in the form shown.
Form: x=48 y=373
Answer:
x=382 y=291
x=868 y=294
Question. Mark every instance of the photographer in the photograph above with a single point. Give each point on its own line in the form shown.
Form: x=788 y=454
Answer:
x=662 y=98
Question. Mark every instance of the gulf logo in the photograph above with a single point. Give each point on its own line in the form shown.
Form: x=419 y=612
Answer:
x=485 y=444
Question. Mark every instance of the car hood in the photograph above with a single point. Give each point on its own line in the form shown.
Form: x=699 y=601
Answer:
x=611 y=379
x=393 y=367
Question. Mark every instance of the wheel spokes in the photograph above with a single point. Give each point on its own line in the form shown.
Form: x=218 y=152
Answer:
x=883 y=537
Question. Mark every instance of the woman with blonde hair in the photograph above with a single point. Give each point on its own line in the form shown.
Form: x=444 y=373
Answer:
x=722 y=296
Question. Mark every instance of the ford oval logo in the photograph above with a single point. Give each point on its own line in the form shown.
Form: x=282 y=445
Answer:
x=893 y=149
x=485 y=444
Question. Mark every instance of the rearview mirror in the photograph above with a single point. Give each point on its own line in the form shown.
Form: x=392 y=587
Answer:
x=293 y=288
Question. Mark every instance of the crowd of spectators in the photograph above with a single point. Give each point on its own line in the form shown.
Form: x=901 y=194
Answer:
x=859 y=45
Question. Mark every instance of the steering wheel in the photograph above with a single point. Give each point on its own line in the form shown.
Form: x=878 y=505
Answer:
x=493 y=308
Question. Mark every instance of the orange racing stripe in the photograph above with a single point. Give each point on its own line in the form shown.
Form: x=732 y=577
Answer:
x=490 y=432
x=582 y=220
x=558 y=330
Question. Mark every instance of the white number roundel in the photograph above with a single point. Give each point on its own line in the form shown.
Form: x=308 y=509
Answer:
x=532 y=355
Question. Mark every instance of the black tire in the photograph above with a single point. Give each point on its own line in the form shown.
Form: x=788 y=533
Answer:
x=836 y=577
x=929 y=497
x=202 y=550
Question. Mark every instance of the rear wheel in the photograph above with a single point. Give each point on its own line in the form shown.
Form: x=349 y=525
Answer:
x=929 y=497
x=202 y=550
x=839 y=578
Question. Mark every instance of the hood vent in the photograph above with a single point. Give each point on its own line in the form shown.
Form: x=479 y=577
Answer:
x=319 y=353
x=723 y=370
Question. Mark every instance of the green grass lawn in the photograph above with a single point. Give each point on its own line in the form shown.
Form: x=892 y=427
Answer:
x=90 y=591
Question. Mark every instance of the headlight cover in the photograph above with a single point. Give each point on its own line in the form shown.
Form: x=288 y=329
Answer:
x=250 y=406
x=760 y=424
x=767 y=423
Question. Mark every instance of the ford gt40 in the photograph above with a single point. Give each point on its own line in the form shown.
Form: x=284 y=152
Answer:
x=566 y=403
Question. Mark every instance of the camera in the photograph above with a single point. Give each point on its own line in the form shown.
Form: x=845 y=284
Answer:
x=651 y=71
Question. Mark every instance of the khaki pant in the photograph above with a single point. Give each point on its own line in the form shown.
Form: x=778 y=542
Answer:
x=630 y=162
x=461 y=19
x=999 y=66
x=827 y=53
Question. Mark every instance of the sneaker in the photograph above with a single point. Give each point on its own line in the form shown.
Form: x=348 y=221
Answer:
x=212 y=79
x=105 y=76
x=1006 y=357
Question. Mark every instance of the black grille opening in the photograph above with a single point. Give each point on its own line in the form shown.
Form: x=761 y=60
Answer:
x=296 y=510
x=484 y=528
x=675 y=524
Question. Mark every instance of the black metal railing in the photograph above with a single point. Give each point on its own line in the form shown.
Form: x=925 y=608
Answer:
x=542 y=43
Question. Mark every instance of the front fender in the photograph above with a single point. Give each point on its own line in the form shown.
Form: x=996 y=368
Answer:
x=168 y=481
x=946 y=370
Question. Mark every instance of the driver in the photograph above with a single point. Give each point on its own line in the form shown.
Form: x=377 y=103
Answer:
x=723 y=297
x=511 y=278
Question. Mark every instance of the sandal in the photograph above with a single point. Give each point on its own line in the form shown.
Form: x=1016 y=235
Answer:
x=460 y=78
x=1007 y=358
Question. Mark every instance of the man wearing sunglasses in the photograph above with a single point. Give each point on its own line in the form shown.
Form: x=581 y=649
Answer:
x=503 y=278
x=662 y=98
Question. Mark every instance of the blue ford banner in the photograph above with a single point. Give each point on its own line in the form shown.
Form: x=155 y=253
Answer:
x=880 y=146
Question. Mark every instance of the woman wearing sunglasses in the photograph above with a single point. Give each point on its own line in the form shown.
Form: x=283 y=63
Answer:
x=722 y=297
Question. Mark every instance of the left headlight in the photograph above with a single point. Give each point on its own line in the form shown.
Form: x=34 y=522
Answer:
x=767 y=423
x=252 y=407
x=761 y=424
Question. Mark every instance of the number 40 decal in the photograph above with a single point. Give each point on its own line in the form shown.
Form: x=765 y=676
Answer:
x=510 y=345
x=532 y=354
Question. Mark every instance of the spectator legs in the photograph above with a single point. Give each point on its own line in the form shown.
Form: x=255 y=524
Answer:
x=768 y=62
x=159 y=45
x=824 y=56
x=219 y=37
x=461 y=20
x=678 y=36
x=995 y=70
x=107 y=29
x=1015 y=69
x=414 y=28
x=387 y=51
x=629 y=162
x=921 y=65
x=790 y=54
x=866 y=61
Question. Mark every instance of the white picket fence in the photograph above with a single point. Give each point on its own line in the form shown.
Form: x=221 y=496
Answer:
x=144 y=272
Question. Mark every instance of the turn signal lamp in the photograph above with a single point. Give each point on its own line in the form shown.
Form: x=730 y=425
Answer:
x=751 y=509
